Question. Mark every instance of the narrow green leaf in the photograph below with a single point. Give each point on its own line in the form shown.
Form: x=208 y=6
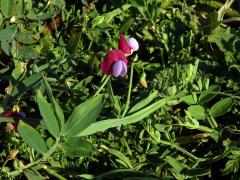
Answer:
x=126 y=25
x=57 y=109
x=1 y=19
x=77 y=147
x=107 y=17
x=21 y=88
x=27 y=84
x=18 y=71
x=138 y=116
x=48 y=115
x=6 y=119
x=144 y=102
x=146 y=178
x=196 y=111
x=193 y=172
x=221 y=107
x=59 y=112
x=98 y=20
x=208 y=95
x=86 y=176
x=32 y=137
x=121 y=156
x=82 y=116
x=2 y=71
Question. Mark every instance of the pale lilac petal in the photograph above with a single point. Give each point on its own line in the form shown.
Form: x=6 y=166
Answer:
x=110 y=58
x=124 y=69
x=132 y=42
x=117 y=68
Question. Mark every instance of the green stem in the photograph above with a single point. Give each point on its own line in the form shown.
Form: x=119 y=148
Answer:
x=51 y=150
x=103 y=78
x=179 y=149
x=53 y=173
x=234 y=96
x=129 y=92
x=185 y=152
x=162 y=58
x=102 y=86
x=212 y=122
x=174 y=146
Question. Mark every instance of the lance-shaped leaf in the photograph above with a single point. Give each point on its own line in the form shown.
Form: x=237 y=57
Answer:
x=48 y=115
x=82 y=116
x=57 y=109
x=144 y=102
x=32 y=137
x=133 y=118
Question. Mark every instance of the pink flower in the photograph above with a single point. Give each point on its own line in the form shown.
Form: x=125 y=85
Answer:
x=115 y=63
x=128 y=47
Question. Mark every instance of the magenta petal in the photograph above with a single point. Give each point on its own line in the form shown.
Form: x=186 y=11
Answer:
x=109 y=60
x=117 y=68
x=123 y=45
x=124 y=69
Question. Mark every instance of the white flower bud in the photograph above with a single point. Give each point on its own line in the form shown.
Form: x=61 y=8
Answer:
x=13 y=19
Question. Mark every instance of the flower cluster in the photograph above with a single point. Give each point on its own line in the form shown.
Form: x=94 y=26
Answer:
x=115 y=61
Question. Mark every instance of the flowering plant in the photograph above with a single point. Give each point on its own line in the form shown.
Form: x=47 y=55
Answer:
x=115 y=61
